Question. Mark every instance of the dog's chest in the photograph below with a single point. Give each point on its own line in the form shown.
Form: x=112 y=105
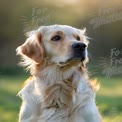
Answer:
x=60 y=112
x=61 y=95
x=62 y=101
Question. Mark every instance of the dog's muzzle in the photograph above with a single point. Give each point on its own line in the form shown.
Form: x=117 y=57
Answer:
x=79 y=50
x=78 y=53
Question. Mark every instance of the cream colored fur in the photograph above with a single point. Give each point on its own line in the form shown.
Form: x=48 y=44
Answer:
x=56 y=92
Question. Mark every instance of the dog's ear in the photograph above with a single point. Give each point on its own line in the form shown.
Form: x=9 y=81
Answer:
x=33 y=47
x=84 y=35
x=84 y=31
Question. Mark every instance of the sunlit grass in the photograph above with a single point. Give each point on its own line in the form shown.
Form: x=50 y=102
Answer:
x=9 y=102
x=112 y=86
x=109 y=98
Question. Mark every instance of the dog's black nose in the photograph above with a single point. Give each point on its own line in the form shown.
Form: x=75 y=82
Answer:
x=78 y=46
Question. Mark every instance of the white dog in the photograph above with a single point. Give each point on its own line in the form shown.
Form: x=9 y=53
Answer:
x=59 y=89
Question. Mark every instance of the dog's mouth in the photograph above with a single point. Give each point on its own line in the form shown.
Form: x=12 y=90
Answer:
x=74 y=59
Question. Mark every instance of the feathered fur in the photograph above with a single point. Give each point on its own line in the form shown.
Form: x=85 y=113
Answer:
x=59 y=89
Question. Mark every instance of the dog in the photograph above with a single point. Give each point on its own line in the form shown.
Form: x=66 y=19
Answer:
x=59 y=89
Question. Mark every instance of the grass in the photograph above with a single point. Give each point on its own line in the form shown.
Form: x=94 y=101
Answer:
x=9 y=102
x=109 y=98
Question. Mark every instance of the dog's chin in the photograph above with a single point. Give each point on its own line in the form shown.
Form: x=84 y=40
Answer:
x=72 y=61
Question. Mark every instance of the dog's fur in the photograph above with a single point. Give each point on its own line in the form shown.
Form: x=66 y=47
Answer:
x=59 y=89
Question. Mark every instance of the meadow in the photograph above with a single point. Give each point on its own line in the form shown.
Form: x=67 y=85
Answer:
x=109 y=98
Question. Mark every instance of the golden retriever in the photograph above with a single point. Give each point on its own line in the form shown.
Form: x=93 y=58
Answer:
x=59 y=89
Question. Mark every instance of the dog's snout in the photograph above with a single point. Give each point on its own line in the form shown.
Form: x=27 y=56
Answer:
x=78 y=46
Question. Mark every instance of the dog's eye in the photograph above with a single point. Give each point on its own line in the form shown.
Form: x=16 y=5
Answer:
x=78 y=38
x=56 y=38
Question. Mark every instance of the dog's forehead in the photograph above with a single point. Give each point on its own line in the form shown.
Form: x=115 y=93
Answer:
x=63 y=28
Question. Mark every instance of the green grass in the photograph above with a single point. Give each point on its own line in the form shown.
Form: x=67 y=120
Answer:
x=9 y=102
x=109 y=98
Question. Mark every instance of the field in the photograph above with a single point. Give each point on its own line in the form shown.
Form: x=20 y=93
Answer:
x=109 y=98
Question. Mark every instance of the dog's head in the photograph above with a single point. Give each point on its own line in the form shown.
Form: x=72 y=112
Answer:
x=60 y=44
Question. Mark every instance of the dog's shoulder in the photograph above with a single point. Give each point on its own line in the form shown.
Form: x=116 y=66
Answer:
x=27 y=88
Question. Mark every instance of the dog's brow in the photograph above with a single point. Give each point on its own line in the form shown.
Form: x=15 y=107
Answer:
x=75 y=35
x=59 y=32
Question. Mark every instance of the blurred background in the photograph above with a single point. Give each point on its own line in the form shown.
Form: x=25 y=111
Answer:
x=103 y=22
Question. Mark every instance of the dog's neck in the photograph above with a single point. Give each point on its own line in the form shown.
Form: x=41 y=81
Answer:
x=53 y=74
x=55 y=82
x=57 y=87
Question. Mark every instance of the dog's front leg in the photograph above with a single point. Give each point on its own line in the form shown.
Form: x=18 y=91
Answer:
x=89 y=113
x=28 y=113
